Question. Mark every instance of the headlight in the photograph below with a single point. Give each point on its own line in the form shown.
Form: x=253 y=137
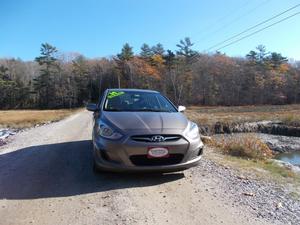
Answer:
x=105 y=131
x=193 y=131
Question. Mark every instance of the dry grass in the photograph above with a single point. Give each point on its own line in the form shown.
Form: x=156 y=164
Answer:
x=246 y=146
x=288 y=114
x=29 y=118
x=253 y=154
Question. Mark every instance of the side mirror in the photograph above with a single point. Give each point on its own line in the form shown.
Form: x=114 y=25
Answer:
x=92 y=107
x=181 y=108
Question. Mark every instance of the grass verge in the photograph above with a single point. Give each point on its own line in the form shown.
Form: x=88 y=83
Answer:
x=288 y=114
x=248 y=152
x=265 y=168
x=29 y=118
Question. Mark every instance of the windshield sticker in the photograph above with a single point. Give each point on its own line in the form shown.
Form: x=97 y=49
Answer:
x=115 y=94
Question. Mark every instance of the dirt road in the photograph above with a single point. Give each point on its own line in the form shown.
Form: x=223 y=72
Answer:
x=46 y=177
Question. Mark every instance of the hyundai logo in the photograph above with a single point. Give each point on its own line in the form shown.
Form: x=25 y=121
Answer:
x=157 y=138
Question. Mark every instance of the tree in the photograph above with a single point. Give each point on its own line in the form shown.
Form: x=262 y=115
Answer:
x=52 y=80
x=185 y=48
x=126 y=53
x=146 y=51
x=261 y=54
x=45 y=83
x=186 y=57
x=158 y=49
x=276 y=60
x=80 y=70
x=252 y=56
x=122 y=66
x=6 y=87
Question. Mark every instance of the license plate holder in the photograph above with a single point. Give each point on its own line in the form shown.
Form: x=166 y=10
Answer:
x=158 y=152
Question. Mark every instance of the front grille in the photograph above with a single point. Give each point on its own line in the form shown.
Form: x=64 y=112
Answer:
x=148 y=138
x=143 y=160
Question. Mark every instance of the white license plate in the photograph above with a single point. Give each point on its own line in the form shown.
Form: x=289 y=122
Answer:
x=158 y=152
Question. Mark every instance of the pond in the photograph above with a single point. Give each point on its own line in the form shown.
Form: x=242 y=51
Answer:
x=291 y=157
x=288 y=148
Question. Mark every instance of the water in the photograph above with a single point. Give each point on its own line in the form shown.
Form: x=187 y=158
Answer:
x=287 y=148
x=290 y=157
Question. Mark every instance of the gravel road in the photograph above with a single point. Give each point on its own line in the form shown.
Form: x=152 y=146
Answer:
x=46 y=177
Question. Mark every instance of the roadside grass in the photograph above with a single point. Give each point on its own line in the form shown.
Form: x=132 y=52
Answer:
x=295 y=195
x=288 y=114
x=28 y=118
x=270 y=168
x=247 y=146
x=266 y=169
x=248 y=152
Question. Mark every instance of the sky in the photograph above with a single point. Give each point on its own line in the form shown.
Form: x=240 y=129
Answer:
x=99 y=28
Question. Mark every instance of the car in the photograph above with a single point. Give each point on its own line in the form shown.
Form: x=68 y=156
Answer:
x=142 y=131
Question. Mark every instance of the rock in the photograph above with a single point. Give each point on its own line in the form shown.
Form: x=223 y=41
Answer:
x=2 y=142
x=4 y=134
x=218 y=129
x=242 y=177
x=281 y=143
x=279 y=205
x=248 y=194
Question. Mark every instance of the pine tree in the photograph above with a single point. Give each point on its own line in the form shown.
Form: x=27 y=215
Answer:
x=44 y=84
x=158 y=49
x=146 y=51
x=83 y=81
x=185 y=48
x=126 y=53
x=122 y=65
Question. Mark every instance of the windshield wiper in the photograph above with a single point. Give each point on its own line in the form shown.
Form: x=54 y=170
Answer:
x=113 y=110
x=136 y=110
x=151 y=110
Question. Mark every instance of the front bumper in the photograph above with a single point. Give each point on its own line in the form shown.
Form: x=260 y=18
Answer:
x=114 y=167
x=117 y=155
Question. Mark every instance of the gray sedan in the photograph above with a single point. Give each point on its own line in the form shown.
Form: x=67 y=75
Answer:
x=142 y=130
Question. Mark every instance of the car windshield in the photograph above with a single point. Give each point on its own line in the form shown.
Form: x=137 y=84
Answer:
x=137 y=101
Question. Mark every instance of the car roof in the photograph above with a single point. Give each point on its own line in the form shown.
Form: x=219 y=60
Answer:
x=132 y=89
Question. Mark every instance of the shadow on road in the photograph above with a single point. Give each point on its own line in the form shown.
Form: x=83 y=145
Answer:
x=63 y=169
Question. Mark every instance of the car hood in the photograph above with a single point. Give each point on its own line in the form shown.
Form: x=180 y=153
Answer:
x=146 y=120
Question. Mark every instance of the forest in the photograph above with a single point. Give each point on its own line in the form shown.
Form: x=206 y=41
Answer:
x=66 y=80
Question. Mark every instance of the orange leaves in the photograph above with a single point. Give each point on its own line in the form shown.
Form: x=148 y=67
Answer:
x=141 y=68
x=283 y=68
x=157 y=60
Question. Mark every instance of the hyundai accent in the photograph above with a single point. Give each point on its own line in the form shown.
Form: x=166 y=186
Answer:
x=142 y=130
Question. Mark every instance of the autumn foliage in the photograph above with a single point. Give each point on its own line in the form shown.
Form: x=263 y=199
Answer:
x=60 y=80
